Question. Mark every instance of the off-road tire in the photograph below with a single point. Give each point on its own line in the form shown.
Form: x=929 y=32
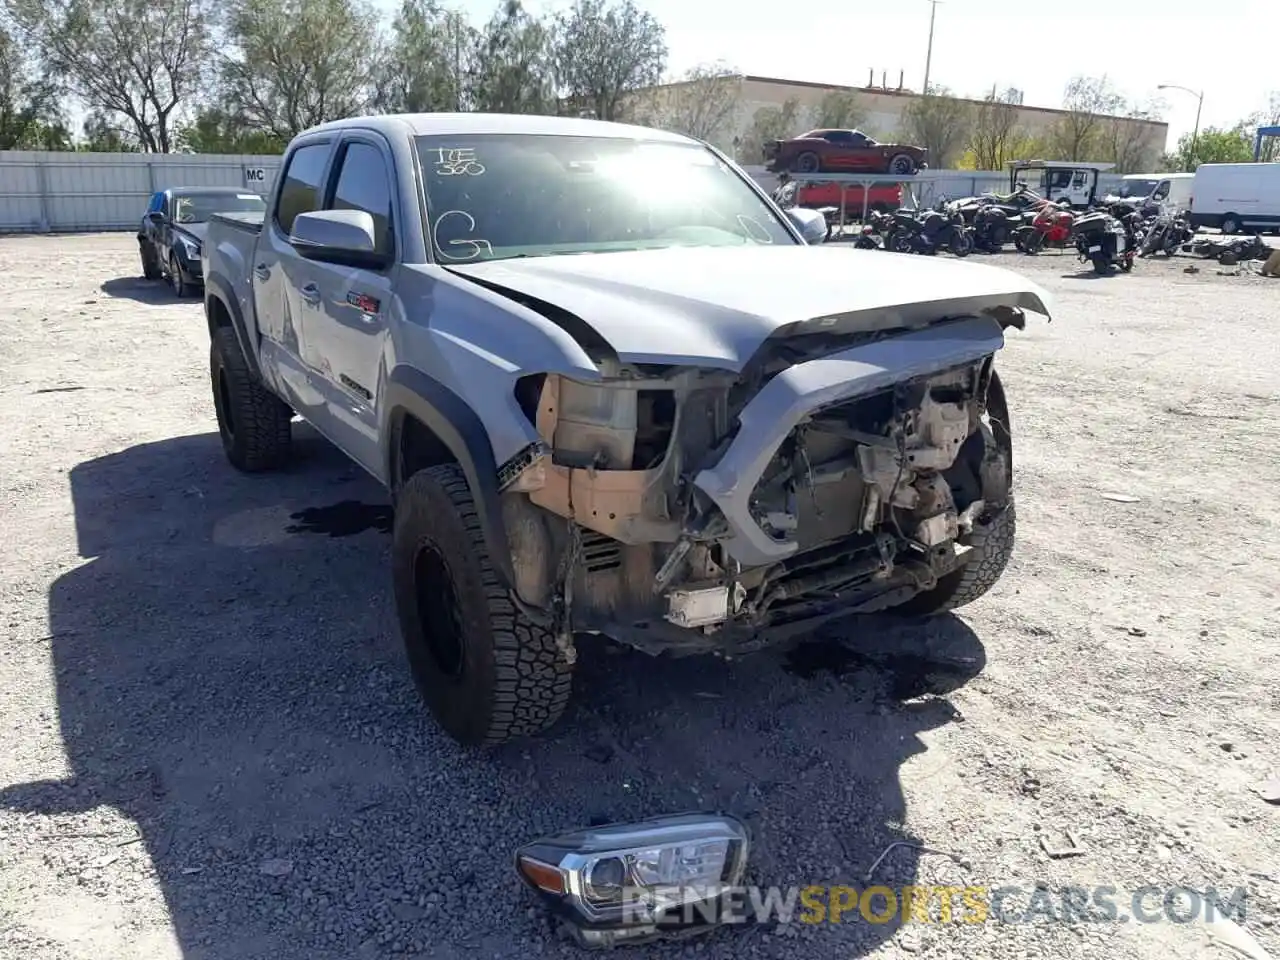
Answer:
x=254 y=424
x=808 y=162
x=491 y=674
x=176 y=280
x=901 y=165
x=992 y=543
x=150 y=268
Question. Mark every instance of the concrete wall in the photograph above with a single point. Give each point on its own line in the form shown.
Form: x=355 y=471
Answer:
x=109 y=191
x=883 y=110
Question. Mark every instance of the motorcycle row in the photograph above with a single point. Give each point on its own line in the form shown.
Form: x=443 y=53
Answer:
x=1109 y=235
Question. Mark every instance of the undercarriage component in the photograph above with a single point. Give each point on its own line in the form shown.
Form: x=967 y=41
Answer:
x=800 y=390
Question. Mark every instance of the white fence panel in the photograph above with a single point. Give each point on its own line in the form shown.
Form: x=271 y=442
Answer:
x=68 y=192
x=57 y=192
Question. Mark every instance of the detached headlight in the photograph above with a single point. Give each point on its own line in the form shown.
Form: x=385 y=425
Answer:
x=635 y=881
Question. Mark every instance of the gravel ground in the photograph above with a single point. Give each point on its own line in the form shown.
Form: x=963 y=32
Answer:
x=216 y=751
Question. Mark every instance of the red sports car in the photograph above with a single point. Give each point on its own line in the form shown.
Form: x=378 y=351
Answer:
x=842 y=151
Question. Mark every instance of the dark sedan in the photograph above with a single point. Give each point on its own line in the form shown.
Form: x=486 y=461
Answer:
x=173 y=228
x=842 y=151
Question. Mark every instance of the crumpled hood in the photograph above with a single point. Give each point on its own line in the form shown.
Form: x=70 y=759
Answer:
x=714 y=306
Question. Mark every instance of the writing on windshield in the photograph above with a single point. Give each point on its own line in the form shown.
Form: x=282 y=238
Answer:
x=491 y=196
x=199 y=207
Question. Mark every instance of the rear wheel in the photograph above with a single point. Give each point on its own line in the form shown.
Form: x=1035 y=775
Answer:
x=902 y=165
x=1101 y=265
x=150 y=265
x=254 y=424
x=487 y=672
x=1232 y=223
x=808 y=162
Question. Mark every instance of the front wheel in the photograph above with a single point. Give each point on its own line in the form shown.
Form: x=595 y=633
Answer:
x=176 y=279
x=901 y=244
x=1101 y=265
x=961 y=243
x=486 y=671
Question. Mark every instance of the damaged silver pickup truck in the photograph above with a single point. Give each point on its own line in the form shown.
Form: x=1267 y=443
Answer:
x=611 y=390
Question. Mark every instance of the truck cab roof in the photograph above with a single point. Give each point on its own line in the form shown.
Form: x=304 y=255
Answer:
x=443 y=124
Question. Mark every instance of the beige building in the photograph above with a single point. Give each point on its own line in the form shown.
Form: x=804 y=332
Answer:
x=731 y=121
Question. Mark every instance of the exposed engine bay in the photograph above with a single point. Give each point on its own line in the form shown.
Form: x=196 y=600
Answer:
x=681 y=509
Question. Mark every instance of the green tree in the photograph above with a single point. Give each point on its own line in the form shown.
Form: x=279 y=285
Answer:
x=103 y=133
x=994 y=131
x=701 y=104
x=840 y=110
x=1212 y=145
x=605 y=50
x=29 y=103
x=133 y=62
x=1088 y=101
x=216 y=131
x=768 y=123
x=427 y=61
x=939 y=122
x=293 y=64
x=513 y=64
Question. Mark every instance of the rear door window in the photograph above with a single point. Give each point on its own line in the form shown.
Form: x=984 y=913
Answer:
x=301 y=189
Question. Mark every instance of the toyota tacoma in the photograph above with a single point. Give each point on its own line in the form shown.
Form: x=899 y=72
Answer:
x=612 y=390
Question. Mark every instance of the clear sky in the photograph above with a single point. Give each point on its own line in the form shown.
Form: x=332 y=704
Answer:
x=1227 y=49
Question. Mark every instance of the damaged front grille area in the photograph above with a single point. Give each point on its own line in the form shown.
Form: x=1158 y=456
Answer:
x=662 y=509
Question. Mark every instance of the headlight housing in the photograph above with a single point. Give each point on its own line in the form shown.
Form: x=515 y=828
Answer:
x=191 y=247
x=630 y=882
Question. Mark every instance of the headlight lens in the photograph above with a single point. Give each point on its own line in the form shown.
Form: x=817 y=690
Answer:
x=192 y=248
x=623 y=881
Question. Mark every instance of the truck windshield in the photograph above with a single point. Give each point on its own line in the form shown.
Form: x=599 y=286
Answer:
x=199 y=207
x=1137 y=188
x=493 y=196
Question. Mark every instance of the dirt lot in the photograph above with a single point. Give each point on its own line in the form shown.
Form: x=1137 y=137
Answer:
x=215 y=750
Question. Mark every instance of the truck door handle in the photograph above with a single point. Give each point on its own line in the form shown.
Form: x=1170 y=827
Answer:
x=311 y=294
x=262 y=272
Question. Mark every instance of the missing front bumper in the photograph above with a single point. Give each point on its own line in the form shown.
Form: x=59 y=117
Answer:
x=795 y=393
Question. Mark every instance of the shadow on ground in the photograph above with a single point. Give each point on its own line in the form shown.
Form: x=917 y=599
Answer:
x=229 y=677
x=142 y=290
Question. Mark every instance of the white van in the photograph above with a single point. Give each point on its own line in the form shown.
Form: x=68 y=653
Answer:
x=1236 y=196
x=1170 y=191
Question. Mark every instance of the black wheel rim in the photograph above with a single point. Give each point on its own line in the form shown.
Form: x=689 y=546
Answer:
x=225 y=422
x=901 y=165
x=808 y=163
x=438 y=613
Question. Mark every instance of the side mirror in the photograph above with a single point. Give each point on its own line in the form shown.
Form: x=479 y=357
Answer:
x=811 y=223
x=346 y=237
x=156 y=217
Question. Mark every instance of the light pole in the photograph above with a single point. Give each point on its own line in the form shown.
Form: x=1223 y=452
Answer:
x=928 y=57
x=1195 y=131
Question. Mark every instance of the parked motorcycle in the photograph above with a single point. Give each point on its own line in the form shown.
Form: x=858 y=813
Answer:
x=1103 y=240
x=929 y=231
x=1050 y=227
x=994 y=226
x=1165 y=234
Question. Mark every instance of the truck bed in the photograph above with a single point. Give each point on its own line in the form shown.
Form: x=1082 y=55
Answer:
x=247 y=221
